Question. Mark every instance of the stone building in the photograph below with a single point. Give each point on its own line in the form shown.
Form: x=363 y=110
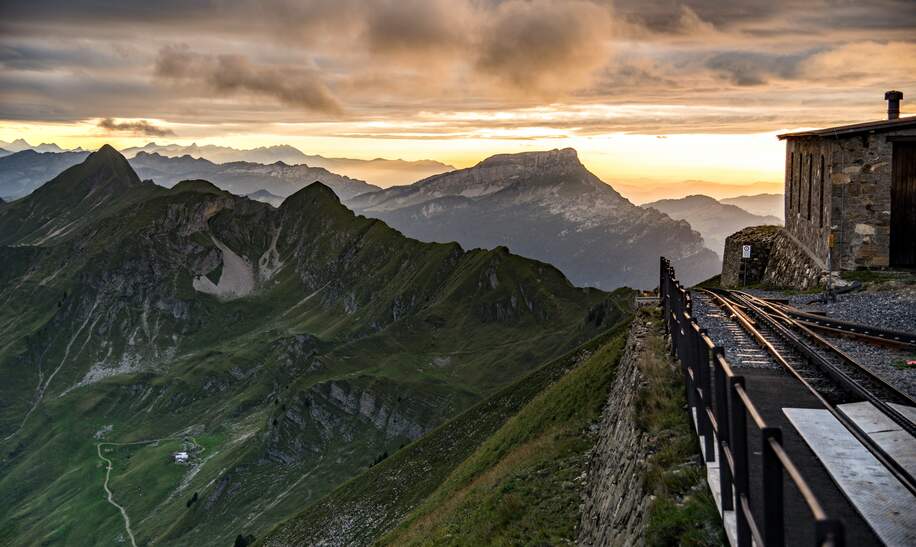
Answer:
x=856 y=185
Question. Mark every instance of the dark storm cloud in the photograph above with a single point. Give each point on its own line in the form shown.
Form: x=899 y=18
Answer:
x=543 y=45
x=141 y=127
x=299 y=61
x=750 y=68
x=417 y=27
x=234 y=74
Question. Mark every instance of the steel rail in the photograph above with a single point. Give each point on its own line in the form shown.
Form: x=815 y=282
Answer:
x=851 y=329
x=900 y=397
x=903 y=475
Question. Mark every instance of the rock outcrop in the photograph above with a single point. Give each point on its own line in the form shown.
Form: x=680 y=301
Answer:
x=777 y=260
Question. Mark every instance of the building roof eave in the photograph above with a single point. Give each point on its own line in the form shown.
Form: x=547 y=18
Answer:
x=867 y=127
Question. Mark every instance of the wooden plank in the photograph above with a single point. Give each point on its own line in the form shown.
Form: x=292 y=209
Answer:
x=884 y=503
x=899 y=445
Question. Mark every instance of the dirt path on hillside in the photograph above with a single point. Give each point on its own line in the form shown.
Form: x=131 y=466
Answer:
x=98 y=448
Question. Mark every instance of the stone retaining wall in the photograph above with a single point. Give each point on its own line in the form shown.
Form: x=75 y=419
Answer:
x=615 y=502
x=777 y=260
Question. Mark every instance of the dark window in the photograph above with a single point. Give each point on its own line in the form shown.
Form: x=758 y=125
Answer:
x=810 y=183
x=822 y=213
x=790 y=189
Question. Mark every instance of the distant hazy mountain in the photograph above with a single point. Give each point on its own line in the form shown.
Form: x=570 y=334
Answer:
x=23 y=172
x=714 y=220
x=243 y=178
x=760 y=204
x=266 y=197
x=547 y=206
x=19 y=145
x=381 y=172
x=4 y=152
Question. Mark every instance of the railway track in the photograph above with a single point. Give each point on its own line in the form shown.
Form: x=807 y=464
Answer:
x=791 y=338
x=848 y=329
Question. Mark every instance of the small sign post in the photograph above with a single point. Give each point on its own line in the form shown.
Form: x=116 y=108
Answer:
x=745 y=254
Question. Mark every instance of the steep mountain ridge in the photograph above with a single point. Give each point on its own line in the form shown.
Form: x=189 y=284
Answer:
x=104 y=182
x=547 y=206
x=285 y=348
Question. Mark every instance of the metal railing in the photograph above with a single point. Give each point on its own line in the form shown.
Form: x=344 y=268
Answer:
x=722 y=407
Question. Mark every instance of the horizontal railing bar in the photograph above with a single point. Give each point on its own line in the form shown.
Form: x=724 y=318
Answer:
x=810 y=499
x=751 y=409
x=752 y=524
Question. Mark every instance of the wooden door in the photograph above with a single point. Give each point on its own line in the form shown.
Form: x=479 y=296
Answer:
x=903 y=205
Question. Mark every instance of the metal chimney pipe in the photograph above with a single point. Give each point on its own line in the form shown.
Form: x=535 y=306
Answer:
x=893 y=99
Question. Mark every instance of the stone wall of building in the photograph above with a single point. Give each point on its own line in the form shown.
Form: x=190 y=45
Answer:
x=857 y=174
x=808 y=192
x=861 y=177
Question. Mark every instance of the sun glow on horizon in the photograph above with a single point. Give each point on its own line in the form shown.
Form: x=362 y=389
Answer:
x=620 y=159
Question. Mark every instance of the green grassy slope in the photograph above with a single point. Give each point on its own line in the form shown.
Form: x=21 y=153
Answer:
x=521 y=486
x=354 y=342
x=545 y=408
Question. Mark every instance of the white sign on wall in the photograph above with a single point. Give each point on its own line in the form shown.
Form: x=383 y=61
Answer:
x=745 y=251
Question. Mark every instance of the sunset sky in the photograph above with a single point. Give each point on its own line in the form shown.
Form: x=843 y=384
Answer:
x=666 y=95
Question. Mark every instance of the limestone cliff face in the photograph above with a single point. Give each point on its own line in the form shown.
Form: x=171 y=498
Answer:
x=548 y=206
x=615 y=503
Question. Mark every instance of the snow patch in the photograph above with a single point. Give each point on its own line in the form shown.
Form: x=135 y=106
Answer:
x=236 y=281
x=269 y=263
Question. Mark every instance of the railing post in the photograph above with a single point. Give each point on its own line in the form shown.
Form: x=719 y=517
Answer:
x=722 y=418
x=773 y=524
x=738 y=444
x=829 y=532
x=705 y=386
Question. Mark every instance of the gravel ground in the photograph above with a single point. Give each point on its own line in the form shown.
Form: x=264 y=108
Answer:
x=887 y=363
x=740 y=349
x=895 y=310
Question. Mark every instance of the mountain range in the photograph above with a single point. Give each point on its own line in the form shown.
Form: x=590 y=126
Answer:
x=378 y=171
x=714 y=220
x=22 y=172
x=19 y=145
x=286 y=350
x=242 y=177
x=546 y=206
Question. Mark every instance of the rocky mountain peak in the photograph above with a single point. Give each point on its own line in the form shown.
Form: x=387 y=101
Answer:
x=315 y=194
x=107 y=165
x=546 y=159
x=198 y=185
